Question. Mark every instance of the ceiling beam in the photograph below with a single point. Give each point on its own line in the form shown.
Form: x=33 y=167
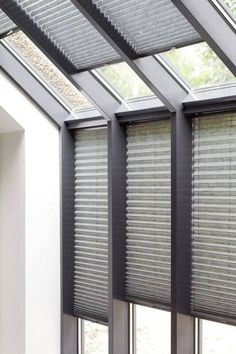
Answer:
x=103 y=100
x=213 y=27
x=152 y=71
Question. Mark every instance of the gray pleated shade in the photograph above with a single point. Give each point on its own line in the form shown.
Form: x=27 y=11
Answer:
x=91 y=225
x=70 y=31
x=148 y=258
x=6 y=24
x=214 y=216
x=149 y=26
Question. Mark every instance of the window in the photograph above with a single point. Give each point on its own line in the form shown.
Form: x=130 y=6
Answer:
x=91 y=225
x=47 y=71
x=199 y=66
x=95 y=338
x=213 y=216
x=125 y=81
x=153 y=331
x=230 y=5
x=218 y=338
x=148 y=212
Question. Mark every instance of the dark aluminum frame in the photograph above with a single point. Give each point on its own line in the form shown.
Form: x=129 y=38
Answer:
x=111 y=111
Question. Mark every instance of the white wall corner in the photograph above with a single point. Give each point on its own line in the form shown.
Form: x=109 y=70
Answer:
x=33 y=155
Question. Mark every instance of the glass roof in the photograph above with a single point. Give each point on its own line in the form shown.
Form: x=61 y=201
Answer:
x=82 y=45
x=199 y=66
x=78 y=41
x=48 y=71
x=124 y=80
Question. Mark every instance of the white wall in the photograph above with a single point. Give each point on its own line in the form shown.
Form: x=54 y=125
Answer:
x=12 y=244
x=42 y=223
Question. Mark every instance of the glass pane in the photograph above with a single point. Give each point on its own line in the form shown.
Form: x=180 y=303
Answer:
x=95 y=338
x=48 y=71
x=218 y=338
x=199 y=66
x=153 y=330
x=230 y=5
x=124 y=80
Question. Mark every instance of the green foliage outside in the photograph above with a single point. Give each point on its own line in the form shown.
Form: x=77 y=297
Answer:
x=231 y=4
x=199 y=66
x=125 y=81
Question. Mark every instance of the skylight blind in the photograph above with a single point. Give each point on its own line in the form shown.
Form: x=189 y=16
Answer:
x=84 y=47
x=91 y=225
x=149 y=26
x=148 y=276
x=69 y=30
x=5 y=23
x=214 y=216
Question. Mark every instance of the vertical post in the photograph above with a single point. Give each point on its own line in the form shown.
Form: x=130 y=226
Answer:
x=118 y=308
x=199 y=335
x=82 y=337
x=69 y=322
x=134 y=329
x=182 y=324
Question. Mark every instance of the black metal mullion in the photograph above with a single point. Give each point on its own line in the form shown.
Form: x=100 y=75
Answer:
x=69 y=323
x=182 y=324
x=118 y=307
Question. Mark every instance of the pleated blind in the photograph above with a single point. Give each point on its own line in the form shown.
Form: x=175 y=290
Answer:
x=214 y=216
x=149 y=26
x=5 y=23
x=148 y=276
x=69 y=31
x=91 y=225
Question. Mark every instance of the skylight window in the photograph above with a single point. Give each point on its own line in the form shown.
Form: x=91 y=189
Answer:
x=199 y=66
x=124 y=80
x=48 y=71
